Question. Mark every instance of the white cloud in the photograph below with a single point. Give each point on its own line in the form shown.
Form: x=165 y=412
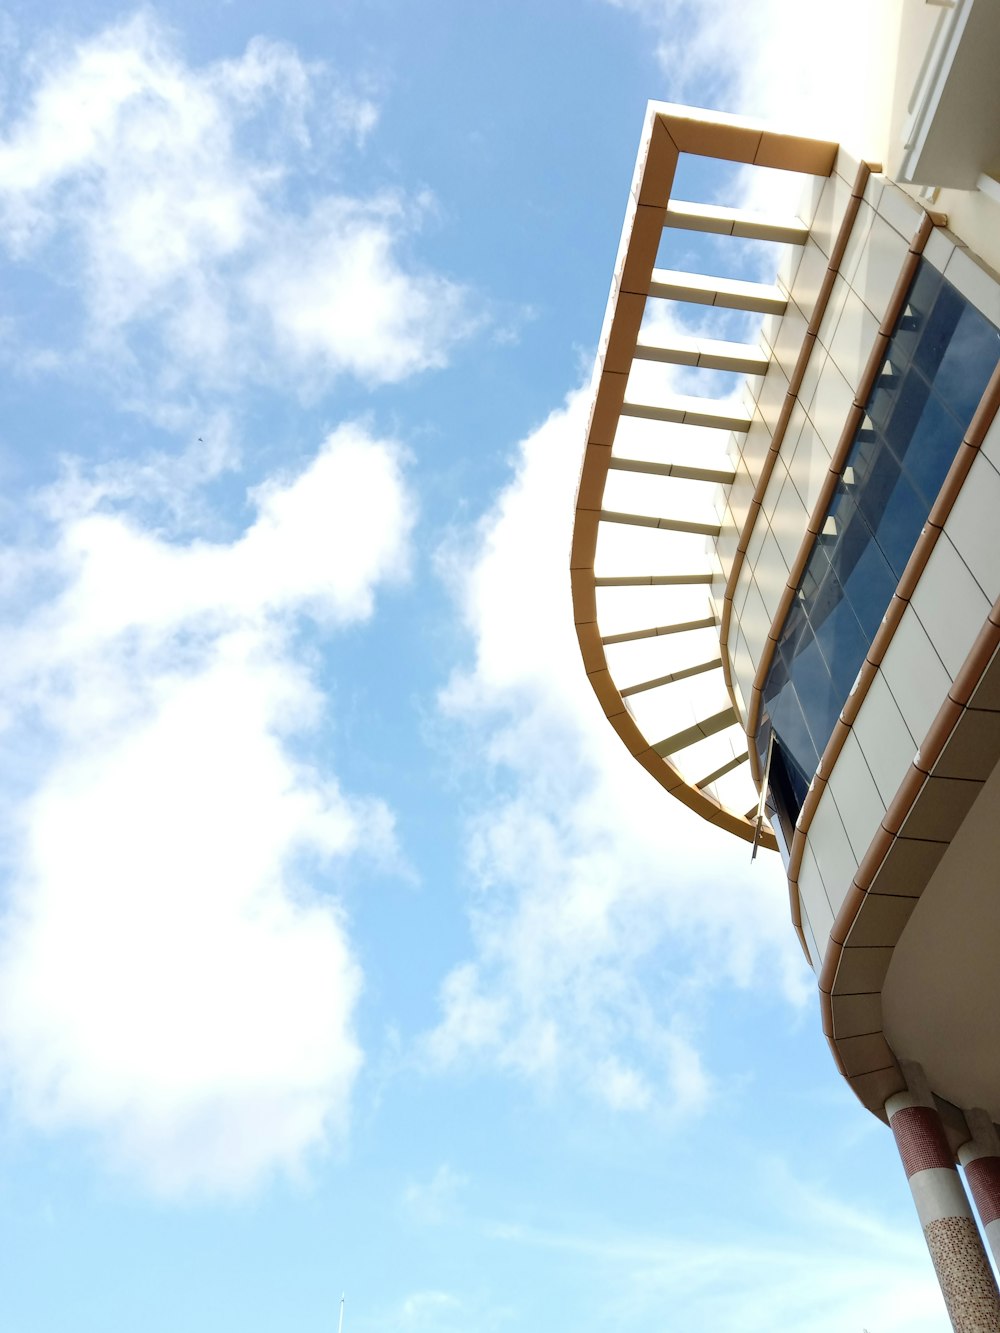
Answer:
x=186 y=201
x=598 y=905
x=781 y=60
x=434 y=1201
x=817 y=1267
x=426 y=1309
x=601 y=908
x=175 y=971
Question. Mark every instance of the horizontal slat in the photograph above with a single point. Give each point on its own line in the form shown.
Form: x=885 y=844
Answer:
x=652 y=580
x=679 y=470
x=684 y=674
x=706 y=354
x=732 y=293
x=683 y=627
x=690 y=735
x=666 y=524
x=735 y=222
x=688 y=411
x=721 y=772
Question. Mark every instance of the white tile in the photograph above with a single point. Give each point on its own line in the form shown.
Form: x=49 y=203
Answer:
x=977 y=284
x=756 y=540
x=873 y=189
x=744 y=668
x=830 y=845
x=726 y=545
x=812 y=373
x=815 y=960
x=990 y=447
x=770 y=574
x=972 y=524
x=901 y=212
x=858 y=240
x=789 y=266
x=756 y=443
x=831 y=315
x=809 y=277
x=853 y=340
x=740 y=495
x=755 y=623
x=809 y=465
x=788 y=523
x=788 y=343
x=950 y=604
x=815 y=904
x=830 y=212
x=772 y=395
x=939 y=248
x=830 y=405
x=846 y=165
x=740 y=591
x=885 y=739
x=858 y=800
x=915 y=675
x=879 y=265
x=769 y=327
x=774 y=485
x=796 y=421
x=809 y=199
x=741 y=703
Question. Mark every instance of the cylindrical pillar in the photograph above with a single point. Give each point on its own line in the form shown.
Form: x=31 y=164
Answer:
x=980 y=1157
x=956 y=1247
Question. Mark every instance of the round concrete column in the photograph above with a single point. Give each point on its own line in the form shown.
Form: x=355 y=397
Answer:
x=956 y=1247
x=980 y=1158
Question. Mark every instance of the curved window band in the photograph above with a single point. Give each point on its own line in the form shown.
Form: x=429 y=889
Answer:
x=940 y=357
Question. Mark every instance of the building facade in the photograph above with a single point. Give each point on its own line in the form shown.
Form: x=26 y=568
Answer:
x=788 y=597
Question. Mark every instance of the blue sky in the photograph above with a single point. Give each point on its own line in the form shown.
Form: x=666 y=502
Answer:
x=343 y=946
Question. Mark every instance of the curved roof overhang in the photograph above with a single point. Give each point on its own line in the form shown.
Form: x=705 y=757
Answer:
x=703 y=757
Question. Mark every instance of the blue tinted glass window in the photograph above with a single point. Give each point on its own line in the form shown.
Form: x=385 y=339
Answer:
x=909 y=401
x=938 y=363
x=928 y=452
x=939 y=328
x=967 y=363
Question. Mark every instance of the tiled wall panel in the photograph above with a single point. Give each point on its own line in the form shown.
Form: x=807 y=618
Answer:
x=973 y=525
x=816 y=907
x=915 y=675
x=950 y=604
x=885 y=740
x=880 y=261
x=832 y=849
x=853 y=789
x=770 y=574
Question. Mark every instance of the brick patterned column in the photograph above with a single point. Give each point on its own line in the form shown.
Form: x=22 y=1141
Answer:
x=981 y=1159
x=956 y=1247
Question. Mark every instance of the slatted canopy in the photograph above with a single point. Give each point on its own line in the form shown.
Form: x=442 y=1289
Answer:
x=660 y=678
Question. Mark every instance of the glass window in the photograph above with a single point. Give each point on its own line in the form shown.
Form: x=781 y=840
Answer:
x=967 y=363
x=939 y=361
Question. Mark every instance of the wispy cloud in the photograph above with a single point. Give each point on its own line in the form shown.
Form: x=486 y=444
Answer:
x=818 y=1266
x=434 y=1201
x=598 y=906
x=175 y=971
x=182 y=209
x=780 y=60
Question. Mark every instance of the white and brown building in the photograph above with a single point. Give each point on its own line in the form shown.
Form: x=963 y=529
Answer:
x=788 y=597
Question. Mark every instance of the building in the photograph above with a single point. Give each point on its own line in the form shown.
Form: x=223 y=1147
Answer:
x=788 y=599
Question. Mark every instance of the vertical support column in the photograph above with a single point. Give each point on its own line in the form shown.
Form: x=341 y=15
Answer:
x=956 y=1247
x=980 y=1157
